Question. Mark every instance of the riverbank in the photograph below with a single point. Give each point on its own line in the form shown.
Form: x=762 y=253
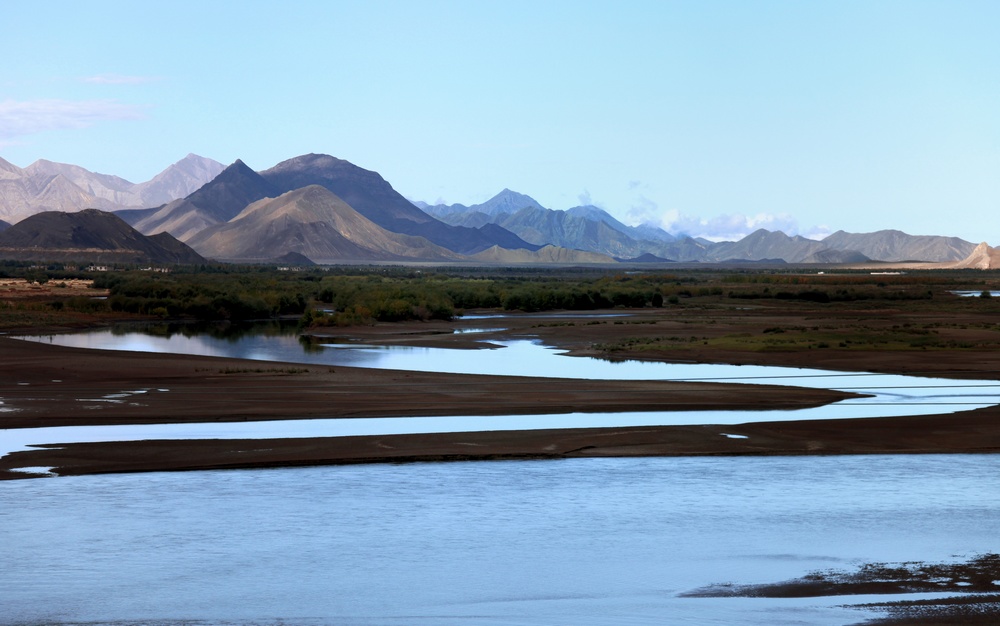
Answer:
x=49 y=385
x=58 y=386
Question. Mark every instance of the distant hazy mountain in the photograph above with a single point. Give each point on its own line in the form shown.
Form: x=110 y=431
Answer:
x=4 y=225
x=48 y=186
x=370 y=195
x=583 y=228
x=178 y=181
x=88 y=236
x=764 y=244
x=505 y=202
x=216 y=202
x=313 y=222
x=893 y=245
x=560 y=228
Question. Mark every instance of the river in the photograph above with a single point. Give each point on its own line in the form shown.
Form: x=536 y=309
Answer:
x=581 y=541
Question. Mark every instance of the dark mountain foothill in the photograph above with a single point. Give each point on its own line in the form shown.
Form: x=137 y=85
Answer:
x=89 y=236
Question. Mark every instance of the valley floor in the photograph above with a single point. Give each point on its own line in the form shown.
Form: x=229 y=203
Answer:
x=50 y=383
x=44 y=385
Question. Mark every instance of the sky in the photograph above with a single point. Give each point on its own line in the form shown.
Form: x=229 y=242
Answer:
x=707 y=117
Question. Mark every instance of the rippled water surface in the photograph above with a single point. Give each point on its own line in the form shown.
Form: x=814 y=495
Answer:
x=584 y=541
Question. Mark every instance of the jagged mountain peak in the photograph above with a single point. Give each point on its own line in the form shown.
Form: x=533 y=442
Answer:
x=8 y=169
x=179 y=180
x=506 y=201
x=314 y=222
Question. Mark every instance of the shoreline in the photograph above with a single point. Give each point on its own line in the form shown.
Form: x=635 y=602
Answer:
x=219 y=389
x=62 y=386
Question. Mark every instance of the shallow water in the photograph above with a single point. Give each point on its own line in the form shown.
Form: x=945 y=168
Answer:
x=582 y=541
x=886 y=395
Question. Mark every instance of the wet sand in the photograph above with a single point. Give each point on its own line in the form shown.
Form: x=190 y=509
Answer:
x=976 y=583
x=51 y=385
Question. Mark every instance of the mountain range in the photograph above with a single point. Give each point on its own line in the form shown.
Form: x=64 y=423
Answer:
x=593 y=229
x=315 y=223
x=328 y=210
x=48 y=186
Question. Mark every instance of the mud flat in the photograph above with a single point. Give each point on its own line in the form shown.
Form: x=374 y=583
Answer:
x=49 y=385
x=977 y=581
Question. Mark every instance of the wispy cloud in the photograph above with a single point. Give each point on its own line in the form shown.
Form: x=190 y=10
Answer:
x=643 y=210
x=735 y=226
x=19 y=118
x=118 y=79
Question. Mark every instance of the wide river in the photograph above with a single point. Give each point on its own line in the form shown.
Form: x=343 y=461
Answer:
x=582 y=541
x=885 y=395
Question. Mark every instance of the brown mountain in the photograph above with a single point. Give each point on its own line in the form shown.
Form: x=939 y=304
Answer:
x=764 y=244
x=983 y=257
x=218 y=201
x=89 y=236
x=894 y=245
x=371 y=196
x=314 y=222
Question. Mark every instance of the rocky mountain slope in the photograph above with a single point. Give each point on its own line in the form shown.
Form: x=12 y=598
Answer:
x=89 y=236
x=591 y=229
x=370 y=195
x=315 y=223
x=214 y=196
x=583 y=228
x=48 y=186
x=218 y=201
x=982 y=257
x=893 y=245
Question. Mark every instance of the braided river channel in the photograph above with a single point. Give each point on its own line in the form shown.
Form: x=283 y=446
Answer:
x=579 y=541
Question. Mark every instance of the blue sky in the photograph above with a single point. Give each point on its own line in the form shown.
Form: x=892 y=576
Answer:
x=709 y=117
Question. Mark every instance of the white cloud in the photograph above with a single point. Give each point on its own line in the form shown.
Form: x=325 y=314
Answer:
x=18 y=118
x=643 y=211
x=117 y=79
x=728 y=227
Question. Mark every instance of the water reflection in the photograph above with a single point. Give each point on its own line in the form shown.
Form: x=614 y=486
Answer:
x=886 y=395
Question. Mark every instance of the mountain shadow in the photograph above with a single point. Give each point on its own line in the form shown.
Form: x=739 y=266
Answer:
x=315 y=223
x=89 y=236
x=371 y=196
